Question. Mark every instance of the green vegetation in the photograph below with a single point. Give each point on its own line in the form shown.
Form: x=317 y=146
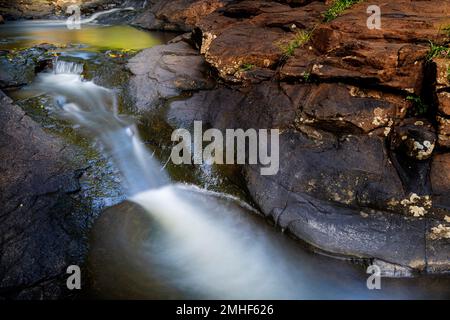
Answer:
x=301 y=37
x=306 y=76
x=419 y=107
x=337 y=7
x=437 y=50
x=246 y=67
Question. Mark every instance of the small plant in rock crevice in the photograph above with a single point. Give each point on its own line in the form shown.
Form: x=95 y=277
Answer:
x=437 y=51
x=419 y=107
x=246 y=67
x=301 y=37
x=336 y=8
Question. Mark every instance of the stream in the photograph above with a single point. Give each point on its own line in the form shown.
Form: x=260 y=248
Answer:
x=174 y=237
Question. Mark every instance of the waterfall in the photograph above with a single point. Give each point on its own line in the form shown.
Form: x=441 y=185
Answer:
x=64 y=67
x=96 y=15
x=95 y=108
x=209 y=248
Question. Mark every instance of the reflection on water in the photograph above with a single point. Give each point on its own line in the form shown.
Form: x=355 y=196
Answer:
x=24 y=34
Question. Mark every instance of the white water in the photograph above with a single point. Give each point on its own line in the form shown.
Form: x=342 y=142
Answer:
x=96 y=15
x=215 y=253
x=95 y=108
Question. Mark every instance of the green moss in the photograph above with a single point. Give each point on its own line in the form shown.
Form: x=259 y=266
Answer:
x=419 y=107
x=336 y=8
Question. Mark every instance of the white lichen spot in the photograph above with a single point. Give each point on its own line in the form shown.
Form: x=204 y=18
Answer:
x=417 y=211
x=417 y=205
x=440 y=232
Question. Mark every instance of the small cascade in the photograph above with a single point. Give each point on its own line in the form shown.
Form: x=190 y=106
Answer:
x=66 y=67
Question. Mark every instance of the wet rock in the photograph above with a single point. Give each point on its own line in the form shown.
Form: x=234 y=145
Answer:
x=41 y=227
x=341 y=229
x=393 y=56
x=440 y=179
x=163 y=72
x=414 y=137
x=178 y=15
x=18 y=68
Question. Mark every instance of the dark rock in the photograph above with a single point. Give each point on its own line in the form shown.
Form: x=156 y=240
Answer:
x=18 y=68
x=440 y=179
x=414 y=137
x=163 y=72
x=41 y=228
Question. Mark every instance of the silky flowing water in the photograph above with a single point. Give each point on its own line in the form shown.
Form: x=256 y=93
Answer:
x=171 y=240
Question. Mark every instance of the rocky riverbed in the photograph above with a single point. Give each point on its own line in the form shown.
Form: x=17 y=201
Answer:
x=364 y=114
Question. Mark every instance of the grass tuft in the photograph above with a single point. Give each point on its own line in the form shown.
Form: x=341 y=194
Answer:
x=301 y=37
x=436 y=51
x=336 y=8
x=246 y=67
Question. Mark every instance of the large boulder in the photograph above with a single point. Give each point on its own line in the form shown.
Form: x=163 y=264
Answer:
x=42 y=226
x=338 y=187
x=163 y=72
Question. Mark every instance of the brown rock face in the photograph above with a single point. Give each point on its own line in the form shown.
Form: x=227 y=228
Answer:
x=444 y=103
x=178 y=15
x=444 y=132
x=253 y=33
x=392 y=56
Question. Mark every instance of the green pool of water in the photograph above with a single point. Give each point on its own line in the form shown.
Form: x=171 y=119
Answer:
x=24 y=34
